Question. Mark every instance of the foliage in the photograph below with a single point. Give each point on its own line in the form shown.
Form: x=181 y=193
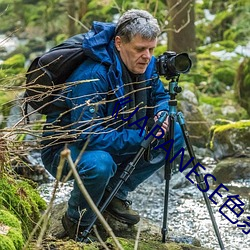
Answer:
x=13 y=238
x=17 y=60
x=22 y=200
x=242 y=84
x=228 y=23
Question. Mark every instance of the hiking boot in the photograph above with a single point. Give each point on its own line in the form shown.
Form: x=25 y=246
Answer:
x=121 y=211
x=75 y=231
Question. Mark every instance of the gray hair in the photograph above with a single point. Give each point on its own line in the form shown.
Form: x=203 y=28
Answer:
x=137 y=22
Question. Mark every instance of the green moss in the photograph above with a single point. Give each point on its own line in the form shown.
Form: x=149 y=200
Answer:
x=9 y=219
x=6 y=243
x=242 y=84
x=221 y=132
x=225 y=75
x=13 y=71
x=16 y=237
x=228 y=45
x=236 y=125
x=13 y=239
x=214 y=101
x=21 y=199
x=16 y=61
x=128 y=244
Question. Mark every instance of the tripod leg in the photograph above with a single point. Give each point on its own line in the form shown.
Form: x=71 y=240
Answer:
x=199 y=177
x=168 y=173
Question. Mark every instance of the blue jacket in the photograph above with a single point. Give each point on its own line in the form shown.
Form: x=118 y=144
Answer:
x=90 y=103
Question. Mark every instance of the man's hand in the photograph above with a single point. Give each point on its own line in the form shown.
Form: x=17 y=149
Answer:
x=165 y=124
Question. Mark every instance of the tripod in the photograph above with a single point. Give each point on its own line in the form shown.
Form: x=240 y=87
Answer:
x=173 y=90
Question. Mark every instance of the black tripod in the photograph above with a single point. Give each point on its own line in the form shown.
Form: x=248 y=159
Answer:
x=173 y=90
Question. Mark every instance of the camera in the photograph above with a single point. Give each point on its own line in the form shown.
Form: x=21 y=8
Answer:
x=171 y=65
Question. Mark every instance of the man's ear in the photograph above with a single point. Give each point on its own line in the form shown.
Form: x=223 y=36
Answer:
x=118 y=42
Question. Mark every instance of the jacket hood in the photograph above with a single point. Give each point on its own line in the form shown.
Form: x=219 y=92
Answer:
x=98 y=43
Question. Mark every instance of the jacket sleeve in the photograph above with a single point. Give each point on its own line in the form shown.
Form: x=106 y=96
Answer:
x=89 y=120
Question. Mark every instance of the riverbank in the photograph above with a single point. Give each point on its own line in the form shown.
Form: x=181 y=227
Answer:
x=188 y=215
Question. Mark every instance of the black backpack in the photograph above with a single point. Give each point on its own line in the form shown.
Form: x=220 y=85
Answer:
x=47 y=74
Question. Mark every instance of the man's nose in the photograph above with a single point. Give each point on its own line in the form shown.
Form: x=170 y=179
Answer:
x=146 y=54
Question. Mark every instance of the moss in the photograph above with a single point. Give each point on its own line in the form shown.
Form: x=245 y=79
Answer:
x=9 y=219
x=6 y=243
x=13 y=239
x=128 y=244
x=16 y=61
x=21 y=199
x=235 y=125
x=242 y=84
x=214 y=101
x=225 y=75
x=13 y=71
x=221 y=133
x=16 y=237
x=229 y=45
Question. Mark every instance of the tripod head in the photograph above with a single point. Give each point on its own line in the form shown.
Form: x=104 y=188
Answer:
x=174 y=89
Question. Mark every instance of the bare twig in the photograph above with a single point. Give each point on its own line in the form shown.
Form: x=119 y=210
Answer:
x=99 y=238
x=77 y=21
x=46 y=216
x=66 y=154
x=138 y=236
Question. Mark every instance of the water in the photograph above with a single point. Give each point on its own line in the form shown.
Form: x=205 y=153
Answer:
x=187 y=212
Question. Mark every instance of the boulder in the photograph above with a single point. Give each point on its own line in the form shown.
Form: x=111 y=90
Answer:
x=231 y=139
x=150 y=235
x=197 y=125
x=231 y=169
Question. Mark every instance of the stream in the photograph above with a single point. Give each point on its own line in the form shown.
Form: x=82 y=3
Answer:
x=187 y=213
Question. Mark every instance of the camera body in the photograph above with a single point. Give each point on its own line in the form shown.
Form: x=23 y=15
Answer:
x=171 y=65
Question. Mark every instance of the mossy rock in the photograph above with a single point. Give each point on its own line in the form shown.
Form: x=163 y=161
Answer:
x=230 y=139
x=128 y=244
x=22 y=200
x=10 y=231
x=16 y=61
x=13 y=70
x=219 y=107
x=242 y=85
x=224 y=75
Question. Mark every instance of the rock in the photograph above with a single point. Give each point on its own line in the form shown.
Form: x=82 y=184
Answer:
x=189 y=96
x=149 y=238
x=197 y=125
x=230 y=139
x=231 y=169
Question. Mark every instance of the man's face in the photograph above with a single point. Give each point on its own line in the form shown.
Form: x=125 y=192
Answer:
x=137 y=53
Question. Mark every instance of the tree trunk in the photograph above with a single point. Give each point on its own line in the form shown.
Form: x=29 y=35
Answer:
x=181 y=27
x=71 y=6
x=83 y=7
